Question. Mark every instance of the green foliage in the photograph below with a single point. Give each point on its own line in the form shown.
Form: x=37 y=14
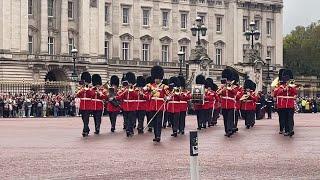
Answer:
x=301 y=50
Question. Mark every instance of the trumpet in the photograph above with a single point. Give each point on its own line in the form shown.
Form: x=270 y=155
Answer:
x=245 y=96
x=230 y=85
x=291 y=83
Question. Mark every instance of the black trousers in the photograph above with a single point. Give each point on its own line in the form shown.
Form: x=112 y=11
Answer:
x=209 y=117
x=130 y=117
x=113 y=119
x=215 y=116
x=174 y=118
x=249 y=117
x=287 y=116
x=149 y=116
x=85 y=119
x=182 y=121
x=157 y=123
x=97 y=119
x=140 y=117
x=281 y=119
x=228 y=120
x=269 y=111
x=167 y=119
x=201 y=117
x=236 y=118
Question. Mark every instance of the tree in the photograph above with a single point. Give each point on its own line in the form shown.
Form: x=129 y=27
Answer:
x=301 y=50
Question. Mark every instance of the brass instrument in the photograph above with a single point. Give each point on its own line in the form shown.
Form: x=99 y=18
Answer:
x=291 y=83
x=230 y=85
x=275 y=82
x=245 y=96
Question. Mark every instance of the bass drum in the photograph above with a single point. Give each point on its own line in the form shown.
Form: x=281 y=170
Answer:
x=197 y=94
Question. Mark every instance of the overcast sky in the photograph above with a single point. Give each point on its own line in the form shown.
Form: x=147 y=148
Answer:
x=300 y=12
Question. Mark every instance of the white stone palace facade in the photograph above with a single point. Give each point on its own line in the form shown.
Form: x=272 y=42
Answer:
x=116 y=36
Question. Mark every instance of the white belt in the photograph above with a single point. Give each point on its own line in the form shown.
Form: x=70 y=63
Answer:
x=141 y=101
x=183 y=102
x=174 y=102
x=99 y=100
x=287 y=97
x=85 y=98
x=229 y=98
x=129 y=100
x=155 y=98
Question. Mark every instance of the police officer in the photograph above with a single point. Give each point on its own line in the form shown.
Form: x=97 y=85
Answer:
x=269 y=105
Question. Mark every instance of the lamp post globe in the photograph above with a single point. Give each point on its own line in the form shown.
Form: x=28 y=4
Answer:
x=181 y=58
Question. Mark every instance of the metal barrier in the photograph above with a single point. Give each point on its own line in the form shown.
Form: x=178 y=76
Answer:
x=24 y=87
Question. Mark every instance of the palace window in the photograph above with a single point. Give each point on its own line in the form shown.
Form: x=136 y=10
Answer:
x=145 y=18
x=145 y=52
x=51 y=45
x=245 y=24
x=30 y=4
x=106 y=49
x=50 y=8
x=125 y=15
x=185 y=50
x=70 y=10
x=125 y=51
x=30 y=44
x=106 y=14
x=184 y=20
x=219 y=24
x=70 y=45
x=269 y=27
x=218 y=56
x=165 y=53
x=165 y=19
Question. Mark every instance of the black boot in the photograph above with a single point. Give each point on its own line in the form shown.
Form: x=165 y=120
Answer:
x=150 y=129
x=97 y=132
x=174 y=134
x=85 y=134
x=113 y=129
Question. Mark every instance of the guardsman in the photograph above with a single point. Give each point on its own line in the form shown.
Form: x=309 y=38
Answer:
x=85 y=95
x=248 y=103
x=228 y=93
x=129 y=103
x=184 y=98
x=97 y=101
x=113 y=105
x=209 y=101
x=238 y=103
x=166 y=120
x=141 y=103
x=286 y=95
x=198 y=107
x=173 y=104
x=217 y=106
x=269 y=105
x=156 y=94
x=149 y=80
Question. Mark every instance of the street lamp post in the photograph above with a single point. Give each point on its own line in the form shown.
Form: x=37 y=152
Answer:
x=199 y=29
x=74 y=75
x=268 y=60
x=252 y=34
x=181 y=59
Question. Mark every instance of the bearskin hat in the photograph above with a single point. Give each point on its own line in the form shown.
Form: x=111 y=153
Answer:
x=96 y=80
x=200 y=79
x=249 y=84
x=215 y=87
x=280 y=74
x=149 y=80
x=130 y=77
x=165 y=81
x=235 y=75
x=86 y=77
x=287 y=75
x=157 y=72
x=209 y=83
x=141 y=82
x=182 y=81
x=227 y=74
x=114 y=81
x=174 y=81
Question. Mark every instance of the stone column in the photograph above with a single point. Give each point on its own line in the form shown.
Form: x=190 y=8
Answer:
x=44 y=28
x=116 y=23
x=5 y=25
x=64 y=28
x=101 y=30
x=276 y=31
x=84 y=36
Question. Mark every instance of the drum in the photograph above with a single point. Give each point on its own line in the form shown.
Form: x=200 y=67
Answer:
x=197 y=94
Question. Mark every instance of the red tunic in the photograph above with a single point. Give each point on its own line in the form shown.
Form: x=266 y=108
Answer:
x=142 y=103
x=238 y=96
x=156 y=96
x=250 y=103
x=97 y=100
x=85 y=95
x=174 y=105
x=228 y=98
x=129 y=100
x=209 y=99
x=286 y=96
x=185 y=97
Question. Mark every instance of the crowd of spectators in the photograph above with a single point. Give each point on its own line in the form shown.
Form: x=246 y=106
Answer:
x=38 y=105
x=308 y=105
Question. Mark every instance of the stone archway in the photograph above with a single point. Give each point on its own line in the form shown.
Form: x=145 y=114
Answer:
x=56 y=75
x=56 y=81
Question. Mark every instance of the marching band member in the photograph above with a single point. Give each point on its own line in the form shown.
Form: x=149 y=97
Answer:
x=276 y=83
x=113 y=105
x=228 y=101
x=141 y=103
x=248 y=103
x=149 y=80
x=184 y=98
x=198 y=107
x=97 y=101
x=238 y=103
x=129 y=101
x=286 y=94
x=156 y=95
x=173 y=104
x=166 y=115
x=217 y=106
x=85 y=94
x=209 y=100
